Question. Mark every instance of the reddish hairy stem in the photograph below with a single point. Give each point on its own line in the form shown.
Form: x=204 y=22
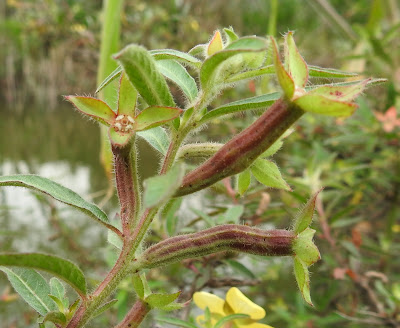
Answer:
x=241 y=151
x=135 y=316
x=229 y=237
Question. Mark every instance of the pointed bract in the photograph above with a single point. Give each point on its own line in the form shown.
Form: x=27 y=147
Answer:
x=155 y=116
x=215 y=44
x=305 y=215
x=294 y=62
x=303 y=279
x=127 y=97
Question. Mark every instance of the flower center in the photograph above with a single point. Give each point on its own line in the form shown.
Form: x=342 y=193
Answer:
x=124 y=123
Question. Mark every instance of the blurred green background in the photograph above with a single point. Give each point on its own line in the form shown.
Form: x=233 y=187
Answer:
x=51 y=48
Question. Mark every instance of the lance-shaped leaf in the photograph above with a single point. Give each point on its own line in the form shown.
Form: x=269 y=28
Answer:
x=113 y=75
x=179 y=56
x=241 y=105
x=127 y=97
x=155 y=116
x=304 y=247
x=94 y=108
x=230 y=35
x=142 y=71
x=55 y=317
x=267 y=173
x=243 y=181
x=294 y=62
x=138 y=285
x=340 y=93
x=305 y=215
x=211 y=67
x=331 y=73
x=255 y=73
x=179 y=75
x=103 y=308
x=159 y=188
x=161 y=300
x=58 y=292
x=58 y=192
x=32 y=287
x=285 y=80
x=319 y=104
x=54 y=265
x=215 y=44
x=303 y=279
x=157 y=138
x=198 y=51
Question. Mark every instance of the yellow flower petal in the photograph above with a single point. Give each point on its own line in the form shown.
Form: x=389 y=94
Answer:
x=254 y=325
x=241 y=304
x=213 y=302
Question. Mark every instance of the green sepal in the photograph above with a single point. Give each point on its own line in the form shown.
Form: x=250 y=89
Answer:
x=119 y=139
x=215 y=44
x=285 y=80
x=127 y=97
x=154 y=116
x=294 y=62
x=304 y=247
x=305 y=215
x=319 y=104
x=230 y=35
x=157 y=301
x=267 y=173
x=94 y=108
x=340 y=93
x=303 y=279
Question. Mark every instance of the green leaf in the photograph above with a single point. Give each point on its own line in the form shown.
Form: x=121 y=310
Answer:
x=198 y=51
x=234 y=213
x=329 y=73
x=176 y=322
x=173 y=307
x=103 y=308
x=220 y=323
x=273 y=148
x=257 y=102
x=114 y=240
x=285 y=80
x=179 y=75
x=57 y=290
x=240 y=268
x=230 y=35
x=267 y=173
x=179 y=56
x=296 y=65
x=251 y=74
x=127 y=97
x=55 y=317
x=304 y=247
x=138 y=285
x=159 y=188
x=32 y=287
x=142 y=71
x=211 y=67
x=157 y=138
x=305 y=215
x=243 y=181
x=93 y=107
x=319 y=104
x=114 y=75
x=154 y=116
x=170 y=217
x=58 y=192
x=161 y=300
x=54 y=265
x=303 y=279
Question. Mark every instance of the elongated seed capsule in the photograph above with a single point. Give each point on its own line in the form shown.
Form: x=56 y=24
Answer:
x=229 y=237
x=241 y=151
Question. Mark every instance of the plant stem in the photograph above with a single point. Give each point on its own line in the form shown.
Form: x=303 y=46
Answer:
x=135 y=316
x=128 y=189
x=241 y=151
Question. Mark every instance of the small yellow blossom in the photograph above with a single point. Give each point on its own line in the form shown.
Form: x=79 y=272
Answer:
x=236 y=302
